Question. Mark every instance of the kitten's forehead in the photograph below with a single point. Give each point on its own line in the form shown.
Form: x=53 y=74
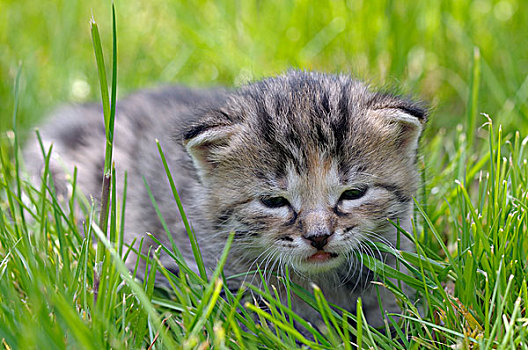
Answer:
x=305 y=121
x=314 y=188
x=308 y=120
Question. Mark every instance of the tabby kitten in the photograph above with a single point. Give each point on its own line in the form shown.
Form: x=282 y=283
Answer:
x=304 y=168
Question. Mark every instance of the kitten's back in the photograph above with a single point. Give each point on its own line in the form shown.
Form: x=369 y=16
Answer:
x=77 y=133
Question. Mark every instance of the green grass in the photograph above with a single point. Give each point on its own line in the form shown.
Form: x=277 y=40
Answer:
x=424 y=46
x=58 y=290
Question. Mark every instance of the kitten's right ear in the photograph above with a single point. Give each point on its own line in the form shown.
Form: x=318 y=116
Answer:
x=204 y=141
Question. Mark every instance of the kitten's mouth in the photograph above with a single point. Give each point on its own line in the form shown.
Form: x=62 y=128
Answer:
x=321 y=257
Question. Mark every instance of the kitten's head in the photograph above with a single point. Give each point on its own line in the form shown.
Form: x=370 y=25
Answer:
x=305 y=167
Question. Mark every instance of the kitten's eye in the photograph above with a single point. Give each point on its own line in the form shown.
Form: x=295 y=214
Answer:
x=274 y=202
x=354 y=193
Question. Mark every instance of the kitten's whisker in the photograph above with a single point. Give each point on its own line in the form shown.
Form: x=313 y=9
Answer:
x=344 y=278
x=365 y=280
x=351 y=260
x=255 y=261
x=272 y=268
x=380 y=238
x=267 y=260
x=371 y=253
x=358 y=263
x=294 y=263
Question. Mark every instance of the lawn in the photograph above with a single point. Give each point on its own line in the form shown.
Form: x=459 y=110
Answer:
x=467 y=59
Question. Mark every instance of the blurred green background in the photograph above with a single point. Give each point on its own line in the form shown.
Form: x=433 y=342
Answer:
x=423 y=47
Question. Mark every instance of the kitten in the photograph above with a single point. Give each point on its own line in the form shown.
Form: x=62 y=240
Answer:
x=304 y=168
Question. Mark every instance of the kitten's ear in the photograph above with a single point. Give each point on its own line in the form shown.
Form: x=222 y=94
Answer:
x=203 y=142
x=410 y=124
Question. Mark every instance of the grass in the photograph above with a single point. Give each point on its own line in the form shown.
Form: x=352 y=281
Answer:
x=422 y=46
x=57 y=290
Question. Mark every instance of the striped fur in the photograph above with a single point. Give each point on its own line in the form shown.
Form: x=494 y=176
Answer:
x=304 y=137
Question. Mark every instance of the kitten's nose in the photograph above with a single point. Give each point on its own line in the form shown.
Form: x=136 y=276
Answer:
x=317 y=227
x=318 y=241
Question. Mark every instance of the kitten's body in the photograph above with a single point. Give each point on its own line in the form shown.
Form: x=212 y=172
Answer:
x=303 y=167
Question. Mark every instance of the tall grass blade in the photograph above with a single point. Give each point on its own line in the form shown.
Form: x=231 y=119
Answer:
x=472 y=104
x=190 y=232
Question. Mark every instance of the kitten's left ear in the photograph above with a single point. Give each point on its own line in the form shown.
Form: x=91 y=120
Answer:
x=410 y=124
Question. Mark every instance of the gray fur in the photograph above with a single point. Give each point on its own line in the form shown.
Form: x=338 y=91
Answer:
x=306 y=137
